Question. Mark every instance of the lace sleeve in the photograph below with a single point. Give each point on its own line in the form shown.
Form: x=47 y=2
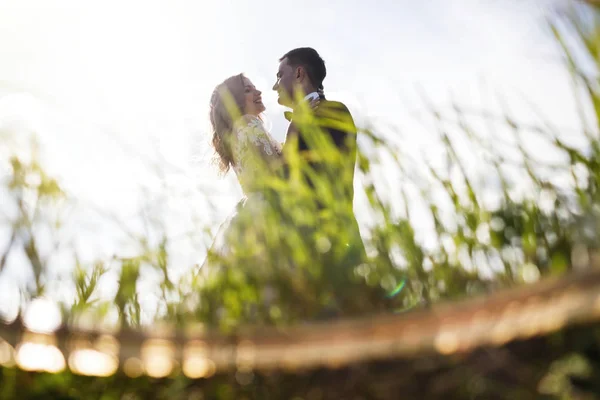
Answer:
x=254 y=143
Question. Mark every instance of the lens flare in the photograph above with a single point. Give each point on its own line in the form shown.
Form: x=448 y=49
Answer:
x=397 y=289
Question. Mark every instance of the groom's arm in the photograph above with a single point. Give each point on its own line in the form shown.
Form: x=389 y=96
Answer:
x=329 y=128
x=336 y=120
x=337 y=124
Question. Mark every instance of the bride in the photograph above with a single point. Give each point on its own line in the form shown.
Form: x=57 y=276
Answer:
x=242 y=143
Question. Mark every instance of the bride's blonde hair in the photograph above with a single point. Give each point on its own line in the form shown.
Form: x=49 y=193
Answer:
x=226 y=105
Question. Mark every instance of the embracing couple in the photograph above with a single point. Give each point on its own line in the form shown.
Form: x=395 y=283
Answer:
x=295 y=225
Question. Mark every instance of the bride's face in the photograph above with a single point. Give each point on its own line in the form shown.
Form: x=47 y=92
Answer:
x=253 y=104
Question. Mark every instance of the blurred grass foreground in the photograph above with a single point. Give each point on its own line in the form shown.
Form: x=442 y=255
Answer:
x=288 y=317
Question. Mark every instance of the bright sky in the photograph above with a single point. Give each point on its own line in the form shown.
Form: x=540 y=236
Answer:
x=112 y=88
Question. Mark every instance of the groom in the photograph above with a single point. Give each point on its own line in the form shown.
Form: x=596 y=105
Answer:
x=324 y=138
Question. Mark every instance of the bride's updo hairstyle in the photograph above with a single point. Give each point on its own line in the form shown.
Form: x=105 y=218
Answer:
x=226 y=105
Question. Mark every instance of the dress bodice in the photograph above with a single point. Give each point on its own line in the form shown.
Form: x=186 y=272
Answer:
x=253 y=148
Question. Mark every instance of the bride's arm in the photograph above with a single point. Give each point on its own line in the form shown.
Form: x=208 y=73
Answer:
x=253 y=141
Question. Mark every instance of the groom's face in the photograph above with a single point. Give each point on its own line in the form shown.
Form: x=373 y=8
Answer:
x=284 y=86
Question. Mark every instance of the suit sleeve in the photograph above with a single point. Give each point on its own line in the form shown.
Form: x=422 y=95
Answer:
x=338 y=122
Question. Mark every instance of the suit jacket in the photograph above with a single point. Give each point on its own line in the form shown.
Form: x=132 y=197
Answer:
x=326 y=140
x=317 y=133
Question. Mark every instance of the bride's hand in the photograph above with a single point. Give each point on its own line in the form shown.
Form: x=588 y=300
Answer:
x=315 y=103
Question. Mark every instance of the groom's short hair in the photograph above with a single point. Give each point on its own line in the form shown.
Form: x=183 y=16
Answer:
x=312 y=62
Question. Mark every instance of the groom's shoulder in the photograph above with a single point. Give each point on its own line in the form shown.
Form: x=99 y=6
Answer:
x=335 y=116
x=334 y=109
x=334 y=105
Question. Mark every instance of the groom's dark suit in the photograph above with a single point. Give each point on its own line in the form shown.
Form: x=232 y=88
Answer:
x=318 y=134
x=330 y=127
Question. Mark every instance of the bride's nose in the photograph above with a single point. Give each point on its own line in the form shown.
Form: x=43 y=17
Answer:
x=258 y=92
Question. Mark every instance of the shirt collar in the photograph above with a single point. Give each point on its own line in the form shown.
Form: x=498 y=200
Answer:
x=312 y=96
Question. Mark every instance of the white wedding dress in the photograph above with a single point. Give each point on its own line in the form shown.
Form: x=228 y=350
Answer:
x=252 y=146
x=253 y=150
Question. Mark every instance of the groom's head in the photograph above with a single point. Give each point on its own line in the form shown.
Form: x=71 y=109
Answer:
x=301 y=71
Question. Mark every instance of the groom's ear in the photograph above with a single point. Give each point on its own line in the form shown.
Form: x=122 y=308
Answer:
x=300 y=73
